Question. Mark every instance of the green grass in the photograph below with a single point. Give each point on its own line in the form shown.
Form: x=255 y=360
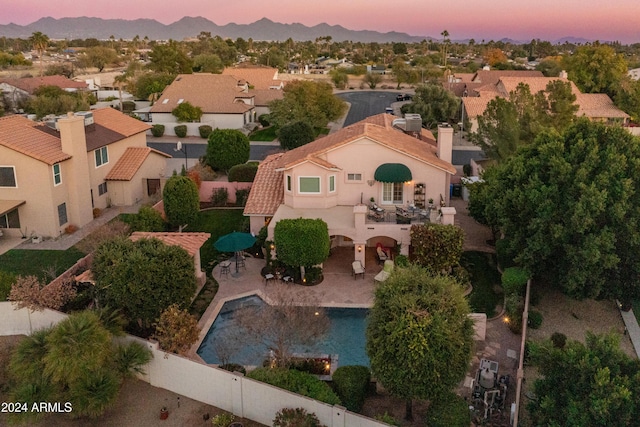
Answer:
x=484 y=278
x=36 y=262
x=266 y=134
x=218 y=223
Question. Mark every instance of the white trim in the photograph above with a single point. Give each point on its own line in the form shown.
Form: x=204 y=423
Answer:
x=59 y=174
x=95 y=158
x=391 y=202
x=310 y=192
x=15 y=177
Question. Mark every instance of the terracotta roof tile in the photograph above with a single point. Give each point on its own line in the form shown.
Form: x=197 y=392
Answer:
x=475 y=106
x=598 y=105
x=118 y=122
x=213 y=93
x=22 y=135
x=130 y=162
x=264 y=96
x=30 y=84
x=267 y=191
x=191 y=242
x=258 y=77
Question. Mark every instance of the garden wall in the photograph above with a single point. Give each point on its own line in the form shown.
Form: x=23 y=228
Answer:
x=228 y=391
x=207 y=187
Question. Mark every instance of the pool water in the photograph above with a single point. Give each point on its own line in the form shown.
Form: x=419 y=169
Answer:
x=346 y=337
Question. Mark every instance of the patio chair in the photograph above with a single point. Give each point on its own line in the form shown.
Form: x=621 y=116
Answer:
x=225 y=268
x=357 y=268
x=381 y=254
x=385 y=272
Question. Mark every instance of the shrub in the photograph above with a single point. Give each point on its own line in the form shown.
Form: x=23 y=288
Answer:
x=219 y=197
x=264 y=120
x=157 y=130
x=227 y=148
x=513 y=308
x=205 y=131
x=233 y=367
x=558 y=339
x=298 y=417
x=70 y=229
x=449 y=411
x=205 y=172
x=437 y=247
x=180 y=130
x=147 y=219
x=241 y=197
x=295 y=135
x=128 y=106
x=514 y=281
x=466 y=169
x=245 y=172
x=401 y=260
x=6 y=281
x=223 y=420
x=387 y=418
x=296 y=382
x=351 y=382
x=185 y=112
x=97 y=212
x=503 y=253
x=535 y=319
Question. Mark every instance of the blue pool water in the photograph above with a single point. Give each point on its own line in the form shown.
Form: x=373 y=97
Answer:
x=346 y=336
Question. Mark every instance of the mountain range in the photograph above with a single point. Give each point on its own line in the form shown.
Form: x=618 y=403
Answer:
x=264 y=29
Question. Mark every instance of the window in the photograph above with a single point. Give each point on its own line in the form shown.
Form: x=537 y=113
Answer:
x=309 y=184
x=57 y=174
x=288 y=182
x=332 y=184
x=354 y=177
x=392 y=192
x=102 y=156
x=8 y=176
x=102 y=188
x=10 y=220
x=62 y=214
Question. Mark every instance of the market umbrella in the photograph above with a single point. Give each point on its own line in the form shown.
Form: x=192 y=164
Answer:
x=234 y=242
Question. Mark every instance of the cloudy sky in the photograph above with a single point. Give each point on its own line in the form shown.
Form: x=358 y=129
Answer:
x=488 y=19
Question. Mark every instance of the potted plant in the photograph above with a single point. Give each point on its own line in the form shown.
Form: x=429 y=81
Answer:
x=164 y=413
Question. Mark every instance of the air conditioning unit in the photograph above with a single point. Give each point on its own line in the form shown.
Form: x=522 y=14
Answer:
x=87 y=115
x=414 y=122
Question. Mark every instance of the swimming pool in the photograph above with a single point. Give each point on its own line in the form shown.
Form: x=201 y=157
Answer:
x=346 y=336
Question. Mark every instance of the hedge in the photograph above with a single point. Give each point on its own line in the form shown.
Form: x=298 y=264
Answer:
x=180 y=130
x=205 y=131
x=351 y=383
x=449 y=411
x=514 y=281
x=157 y=130
x=245 y=172
x=296 y=382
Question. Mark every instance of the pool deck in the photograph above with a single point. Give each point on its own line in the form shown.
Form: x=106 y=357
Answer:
x=338 y=289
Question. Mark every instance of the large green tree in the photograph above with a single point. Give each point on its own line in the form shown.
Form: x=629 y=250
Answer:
x=181 y=201
x=295 y=134
x=306 y=101
x=99 y=57
x=596 y=68
x=302 y=241
x=592 y=384
x=54 y=100
x=569 y=207
x=143 y=278
x=75 y=361
x=150 y=84
x=170 y=58
x=436 y=246
x=419 y=335
x=227 y=148
x=434 y=103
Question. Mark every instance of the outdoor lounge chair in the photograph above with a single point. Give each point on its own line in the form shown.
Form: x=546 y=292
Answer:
x=385 y=272
x=381 y=254
x=357 y=268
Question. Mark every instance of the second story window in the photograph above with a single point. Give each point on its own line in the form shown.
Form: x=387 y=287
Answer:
x=8 y=176
x=354 y=177
x=102 y=156
x=57 y=174
x=309 y=184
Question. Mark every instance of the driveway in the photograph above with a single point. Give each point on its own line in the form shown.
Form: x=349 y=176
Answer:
x=367 y=103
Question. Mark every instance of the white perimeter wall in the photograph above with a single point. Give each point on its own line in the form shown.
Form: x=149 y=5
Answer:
x=228 y=391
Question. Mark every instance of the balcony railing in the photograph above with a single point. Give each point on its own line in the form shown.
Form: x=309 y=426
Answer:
x=401 y=215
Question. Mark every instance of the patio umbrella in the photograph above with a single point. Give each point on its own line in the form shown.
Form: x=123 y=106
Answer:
x=234 y=242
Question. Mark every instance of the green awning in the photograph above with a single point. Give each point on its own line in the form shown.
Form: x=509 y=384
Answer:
x=392 y=172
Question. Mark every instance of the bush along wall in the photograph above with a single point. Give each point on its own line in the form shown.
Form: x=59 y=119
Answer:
x=157 y=130
x=180 y=130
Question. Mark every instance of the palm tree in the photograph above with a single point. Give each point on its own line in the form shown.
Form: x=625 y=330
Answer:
x=94 y=394
x=119 y=82
x=39 y=42
x=26 y=361
x=445 y=42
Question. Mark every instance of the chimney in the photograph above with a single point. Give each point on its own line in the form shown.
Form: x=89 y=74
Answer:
x=445 y=142
x=563 y=74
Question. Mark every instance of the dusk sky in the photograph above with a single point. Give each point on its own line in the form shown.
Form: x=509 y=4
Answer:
x=490 y=19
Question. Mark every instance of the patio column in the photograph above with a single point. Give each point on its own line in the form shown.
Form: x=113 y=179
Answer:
x=359 y=251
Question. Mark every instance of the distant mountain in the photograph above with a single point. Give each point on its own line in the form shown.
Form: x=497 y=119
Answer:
x=264 y=29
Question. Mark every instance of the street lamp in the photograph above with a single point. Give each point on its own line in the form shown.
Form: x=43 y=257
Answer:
x=182 y=149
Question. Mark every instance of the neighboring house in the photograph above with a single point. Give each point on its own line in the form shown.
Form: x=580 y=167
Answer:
x=54 y=174
x=322 y=180
x=595 y=106
x=263 y=82
x=191 y=242
x=225 y=101
x=18 y=91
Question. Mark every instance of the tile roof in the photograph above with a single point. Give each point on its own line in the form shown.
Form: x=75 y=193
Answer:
x=213 y=93
x=30 y=84
x=378 y=128
x=130 y=162
x=191 y=242
x=474 y=106
x=267 y=191
x=492 y=76
x=258 y=77
x=264 y=96
x=598 y=105
x=114 y=120
x=22 y=135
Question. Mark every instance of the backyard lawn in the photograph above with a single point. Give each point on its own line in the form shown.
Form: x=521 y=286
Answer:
x=266 y=134
x=39 y=262
x=485 y=279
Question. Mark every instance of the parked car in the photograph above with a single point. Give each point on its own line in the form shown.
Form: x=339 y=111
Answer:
x=403 y=97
